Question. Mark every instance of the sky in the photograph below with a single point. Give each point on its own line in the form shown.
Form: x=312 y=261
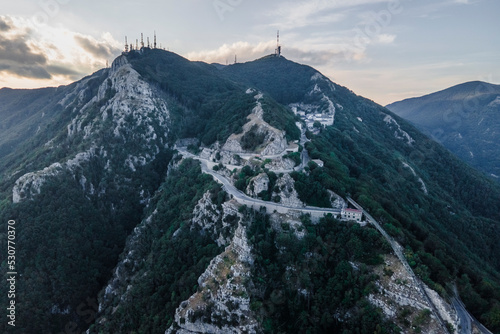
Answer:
x=385 y=50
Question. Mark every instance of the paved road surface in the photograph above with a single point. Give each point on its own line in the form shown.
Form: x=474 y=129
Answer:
x=244 y=199
x=465 y=325
x=398 y=250
x=466 y=319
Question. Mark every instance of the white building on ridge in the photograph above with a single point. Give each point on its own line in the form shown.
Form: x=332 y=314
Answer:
x=351 y=214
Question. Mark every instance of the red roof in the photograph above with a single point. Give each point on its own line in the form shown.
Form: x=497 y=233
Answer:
x=353 y=211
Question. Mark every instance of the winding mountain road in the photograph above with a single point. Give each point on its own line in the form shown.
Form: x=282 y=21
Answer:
x=466 y=320
x=242 y=198
x=398 y=250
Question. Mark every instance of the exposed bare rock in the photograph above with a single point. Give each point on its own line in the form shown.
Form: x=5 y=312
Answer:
x=280 y=164
x=258 y=184
x=422 y=183
x=399 y=133
x=30 y=184
x=219 y=223
x=206 y=214
x=135 y=111
x=274 y=141
x=288 y=222
x=402 y=302
x=222 y=303
x=233 y=144
x=287 y=193
x=230 y=158
x=337 y=201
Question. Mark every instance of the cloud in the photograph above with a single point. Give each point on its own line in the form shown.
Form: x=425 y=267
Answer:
x=307 y=13
x=243 y=50
x=385 y=39
x=16 y=50
x=96 y=48
x=4 y=26
x=429 y=10
x=20 y=58
x=51 y=55
x=64 y=70
x=247 y=52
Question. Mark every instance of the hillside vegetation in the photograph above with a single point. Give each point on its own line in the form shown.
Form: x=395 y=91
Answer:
x=107 y=210
x=450 y=230
x=464 y=118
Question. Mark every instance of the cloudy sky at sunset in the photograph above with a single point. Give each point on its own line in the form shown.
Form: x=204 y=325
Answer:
x=383 y=50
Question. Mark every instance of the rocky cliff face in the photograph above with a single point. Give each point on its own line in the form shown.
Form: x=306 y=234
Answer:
x=273 y=140
x=288 y=195
x=29 y=185
x=402 y=302
x=222 y=303
x=125 y=109
x=258 y=184
x=337 y=201
x=219 y=224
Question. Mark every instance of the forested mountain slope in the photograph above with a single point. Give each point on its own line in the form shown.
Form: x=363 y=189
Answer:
x=118 y=233
x=443 y=211
x=464 y=118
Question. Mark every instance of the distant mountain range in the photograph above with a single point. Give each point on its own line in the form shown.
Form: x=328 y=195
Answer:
x=464 y=118
x=121 y=227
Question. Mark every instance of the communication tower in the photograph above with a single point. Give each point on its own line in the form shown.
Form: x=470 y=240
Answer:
x=277 y=52
x=154 y=43
x=126 y=44
x=142 y=41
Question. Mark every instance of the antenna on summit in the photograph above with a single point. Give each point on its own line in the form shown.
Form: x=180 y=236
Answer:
x=154 y=43
x=277 y=52
x=126 y=44
x=148 y=43
x=142 y=41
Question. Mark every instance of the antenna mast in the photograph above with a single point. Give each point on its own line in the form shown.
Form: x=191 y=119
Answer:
x=154 y=45
x=126 y=44
x=148 y=42
x=142 y=41
x=277 y=53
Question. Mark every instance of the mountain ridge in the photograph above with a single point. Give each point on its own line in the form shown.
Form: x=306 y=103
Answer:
x=157 y=232
x=464 y=118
